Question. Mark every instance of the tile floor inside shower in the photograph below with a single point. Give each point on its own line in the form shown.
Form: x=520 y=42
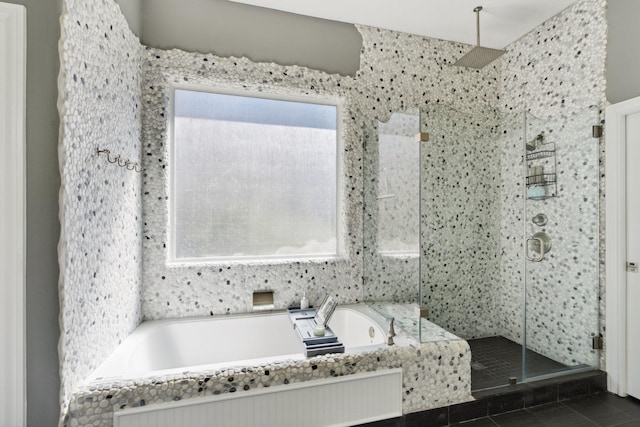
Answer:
x=496 y=359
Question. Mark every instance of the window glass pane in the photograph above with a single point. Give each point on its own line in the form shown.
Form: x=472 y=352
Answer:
x=253 y=177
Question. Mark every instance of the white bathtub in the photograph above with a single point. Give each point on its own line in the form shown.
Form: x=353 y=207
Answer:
x=162 y=347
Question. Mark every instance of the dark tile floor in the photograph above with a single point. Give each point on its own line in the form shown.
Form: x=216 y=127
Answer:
x=495 y=359
x=603 y=409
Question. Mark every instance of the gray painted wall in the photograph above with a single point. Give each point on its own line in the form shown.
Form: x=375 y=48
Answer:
x=231 y=29
x=131 y=9
x=623 y=57
x=262 y=35
x=43 y=229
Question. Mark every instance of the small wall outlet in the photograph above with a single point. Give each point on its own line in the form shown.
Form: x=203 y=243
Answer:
x=263 y=300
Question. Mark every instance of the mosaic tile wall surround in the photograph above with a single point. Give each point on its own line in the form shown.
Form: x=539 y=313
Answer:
x=430 y=82
x=180 y=291
x=100 y=243
x=398 y=70
x=563 y=294
x=562 y=80
x=460 y=232
x=556 y=72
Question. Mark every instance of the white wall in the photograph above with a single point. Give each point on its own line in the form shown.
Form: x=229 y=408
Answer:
x=131 y=9
x=13 y=61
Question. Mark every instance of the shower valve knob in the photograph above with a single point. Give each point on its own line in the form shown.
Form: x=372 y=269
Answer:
x=537 y=246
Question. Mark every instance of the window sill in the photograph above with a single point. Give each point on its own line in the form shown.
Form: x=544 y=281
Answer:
x=402 y=255
x=251 y=261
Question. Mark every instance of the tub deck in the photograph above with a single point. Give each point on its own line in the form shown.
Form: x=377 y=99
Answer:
x=169 y=346
x=434 y=374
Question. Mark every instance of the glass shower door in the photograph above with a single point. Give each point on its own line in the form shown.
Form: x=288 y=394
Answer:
x=561 y=243
x=471 y=210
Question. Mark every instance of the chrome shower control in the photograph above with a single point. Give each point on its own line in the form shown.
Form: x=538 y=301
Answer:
x=539 y=245
x=539 y=220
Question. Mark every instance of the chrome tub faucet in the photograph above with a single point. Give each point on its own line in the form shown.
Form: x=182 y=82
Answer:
x=391 y=332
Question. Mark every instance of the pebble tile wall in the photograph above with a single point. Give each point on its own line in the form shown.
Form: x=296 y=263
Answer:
x=99 y=249
x=562 y=294
x=555 y=71
x=398 y=70
x=460 y=231
x=192 y=290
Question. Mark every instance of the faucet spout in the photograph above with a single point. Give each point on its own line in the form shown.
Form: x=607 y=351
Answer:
x=391 y=332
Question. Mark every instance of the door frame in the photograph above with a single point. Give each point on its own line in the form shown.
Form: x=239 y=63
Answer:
x=616 y=244
x=13 y=66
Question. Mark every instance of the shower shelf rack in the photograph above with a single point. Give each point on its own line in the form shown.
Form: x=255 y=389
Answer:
x=544 y=155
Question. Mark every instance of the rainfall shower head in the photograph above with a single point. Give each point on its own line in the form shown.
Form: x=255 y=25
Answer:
x=479 y=56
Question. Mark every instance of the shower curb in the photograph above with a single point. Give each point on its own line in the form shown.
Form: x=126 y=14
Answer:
x=505 y=399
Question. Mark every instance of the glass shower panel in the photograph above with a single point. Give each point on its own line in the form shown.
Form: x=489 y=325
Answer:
x=398 y=181
x=460 y=221
x=561 y=243
x=391 y=218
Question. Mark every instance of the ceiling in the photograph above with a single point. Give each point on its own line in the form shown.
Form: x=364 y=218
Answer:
x=501 y=21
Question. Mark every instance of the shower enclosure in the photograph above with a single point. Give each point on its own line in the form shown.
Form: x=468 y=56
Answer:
x=486 y=225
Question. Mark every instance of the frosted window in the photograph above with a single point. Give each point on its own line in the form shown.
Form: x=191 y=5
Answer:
x=253 y=177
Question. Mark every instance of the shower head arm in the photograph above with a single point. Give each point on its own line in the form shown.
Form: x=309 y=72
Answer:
x=477 y=10
x=478 y=57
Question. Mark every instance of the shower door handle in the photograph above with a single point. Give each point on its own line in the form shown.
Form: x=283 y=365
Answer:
x=540 y=245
